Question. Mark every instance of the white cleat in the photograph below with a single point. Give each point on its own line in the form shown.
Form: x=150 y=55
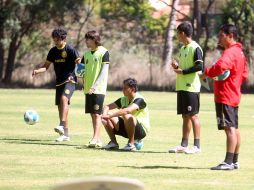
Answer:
x=63 y=138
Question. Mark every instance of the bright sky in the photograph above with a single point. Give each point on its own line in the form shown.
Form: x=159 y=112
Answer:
x=158 y=4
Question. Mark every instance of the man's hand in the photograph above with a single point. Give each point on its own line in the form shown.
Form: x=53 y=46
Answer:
x=178 y=71
x=91 y=91
x=174 y=64
x=35 y=72
x=202 y=76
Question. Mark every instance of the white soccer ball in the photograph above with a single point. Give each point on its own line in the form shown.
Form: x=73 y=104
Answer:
x=222 y=76
x=80 y=70
x=31 y=117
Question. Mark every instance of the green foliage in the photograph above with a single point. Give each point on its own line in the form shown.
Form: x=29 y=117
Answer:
x=135 y=17
x=241 y=13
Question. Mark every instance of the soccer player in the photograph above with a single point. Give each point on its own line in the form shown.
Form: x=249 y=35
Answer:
x=130 y=121
x=188 y=87
x=96 y=62
x=64 y=57
x=227 y=93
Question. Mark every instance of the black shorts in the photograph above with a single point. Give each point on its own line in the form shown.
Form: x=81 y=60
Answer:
x=94 y=103
x=66 y=89
x=139 y=130
x=188 y=103
x=227 y=116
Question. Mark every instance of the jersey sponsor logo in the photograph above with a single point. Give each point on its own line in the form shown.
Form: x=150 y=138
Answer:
x=67 y=91
x=64 y=54
x=59 y=60
x=96 y=107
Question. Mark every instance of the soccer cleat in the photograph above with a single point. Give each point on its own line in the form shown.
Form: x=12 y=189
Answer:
x=62 y=138
x=129 y=147
x=178 y=149
x=192 y=150
x=94 y=144
x=236 y=165
x=139 y=144
x=111 y=146
x=59 y=129
x=223 y=166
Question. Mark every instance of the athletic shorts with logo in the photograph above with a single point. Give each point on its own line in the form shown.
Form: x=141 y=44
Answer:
x=94 y=103
x=67 y=89
x=187 y=102
x=139 y=130
x=227 y=116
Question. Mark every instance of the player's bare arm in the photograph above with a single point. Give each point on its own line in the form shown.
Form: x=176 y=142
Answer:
x=41 y=69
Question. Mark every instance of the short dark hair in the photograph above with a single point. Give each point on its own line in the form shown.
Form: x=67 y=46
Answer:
x=59 y=33
x=185 y=27
x=229 y=29
x=131 y=82
x=93 y=35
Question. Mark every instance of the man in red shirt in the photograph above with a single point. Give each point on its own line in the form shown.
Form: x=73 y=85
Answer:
x=227 y=93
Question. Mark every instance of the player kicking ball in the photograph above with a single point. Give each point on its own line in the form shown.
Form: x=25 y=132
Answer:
x=63 y=57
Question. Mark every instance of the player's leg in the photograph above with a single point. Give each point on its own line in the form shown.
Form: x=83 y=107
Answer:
x=130 y=122
x=226 y=120
x=111 y=125
x=96 y=120
x=181 y=107
x=63 y=109
x=237 y=150
x=94 y=106
x=193 y=110
x=187 y=125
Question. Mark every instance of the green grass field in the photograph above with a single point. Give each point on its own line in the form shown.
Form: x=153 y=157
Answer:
x=30 y=159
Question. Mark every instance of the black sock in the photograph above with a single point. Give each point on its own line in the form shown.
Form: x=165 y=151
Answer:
x=66 y=132
x=184 y=142
x=235 y=159
x=197 y=143
x=229 y=158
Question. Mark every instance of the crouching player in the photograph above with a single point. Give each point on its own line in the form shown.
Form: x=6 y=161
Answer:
x=130 y=121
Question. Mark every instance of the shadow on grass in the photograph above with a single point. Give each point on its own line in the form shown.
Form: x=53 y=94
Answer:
x=118 y=150
x=33 y=141
x=164 y=167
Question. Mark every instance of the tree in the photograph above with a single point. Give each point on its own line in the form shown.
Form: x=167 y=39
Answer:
x=134 y=18
x=241 y=13
x=168 y=45
x=23 y=17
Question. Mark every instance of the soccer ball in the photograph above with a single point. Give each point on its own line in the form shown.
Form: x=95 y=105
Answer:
x=80 y=70
x=31 y=117
x=222 y=76
x=139 y=144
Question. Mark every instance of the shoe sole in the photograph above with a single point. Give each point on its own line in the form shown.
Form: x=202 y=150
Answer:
x=112 y=148
x=59 y=131
x=63 y=140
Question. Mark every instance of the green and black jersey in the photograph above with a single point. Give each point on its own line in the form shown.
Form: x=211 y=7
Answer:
x=189 y=56
x=94 y=61
x=141 y=114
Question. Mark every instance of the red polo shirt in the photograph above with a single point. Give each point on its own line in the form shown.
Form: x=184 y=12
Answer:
x=229 y=91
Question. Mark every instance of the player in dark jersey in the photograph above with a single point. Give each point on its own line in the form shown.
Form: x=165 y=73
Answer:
x=64 y=57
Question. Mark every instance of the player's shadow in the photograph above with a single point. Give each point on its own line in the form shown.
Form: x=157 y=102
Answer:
x=118 y=150
x=165 y=167
x=33 y=141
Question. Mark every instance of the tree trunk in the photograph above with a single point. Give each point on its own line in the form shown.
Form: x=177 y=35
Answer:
x=11 y=59
x=168 y=46
x=196 y=21
x=207 y=28
x=1 y=51
x=2 y=21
